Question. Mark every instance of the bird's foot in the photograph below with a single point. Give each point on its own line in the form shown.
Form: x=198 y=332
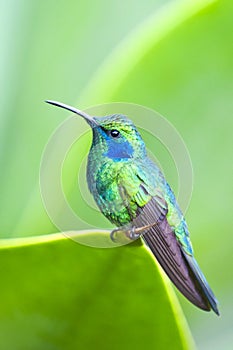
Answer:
x=119 y=236
x=124 y=235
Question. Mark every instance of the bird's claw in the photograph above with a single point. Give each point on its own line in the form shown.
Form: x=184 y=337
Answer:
x=113 y=234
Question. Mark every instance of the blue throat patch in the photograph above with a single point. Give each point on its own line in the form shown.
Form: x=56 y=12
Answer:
x=119 y=150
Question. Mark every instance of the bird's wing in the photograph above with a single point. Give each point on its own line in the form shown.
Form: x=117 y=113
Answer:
x=165 y=247
x=162 y=241
x=136 y=191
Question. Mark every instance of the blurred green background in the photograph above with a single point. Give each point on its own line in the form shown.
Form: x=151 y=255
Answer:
x=172 y=56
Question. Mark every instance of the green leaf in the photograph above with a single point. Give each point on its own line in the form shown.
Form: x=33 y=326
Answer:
x=62 y=295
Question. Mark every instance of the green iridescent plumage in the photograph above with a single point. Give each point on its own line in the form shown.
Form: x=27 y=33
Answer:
x=122 y=184
x=132 y=193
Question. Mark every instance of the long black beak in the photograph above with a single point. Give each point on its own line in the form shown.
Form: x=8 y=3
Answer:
x=87 y=117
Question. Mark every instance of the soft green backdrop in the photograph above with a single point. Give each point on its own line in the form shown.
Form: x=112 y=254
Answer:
x=173 y=56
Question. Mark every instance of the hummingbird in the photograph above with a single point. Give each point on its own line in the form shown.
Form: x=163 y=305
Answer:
x=133 y=194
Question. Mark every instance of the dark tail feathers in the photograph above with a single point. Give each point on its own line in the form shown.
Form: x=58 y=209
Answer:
x=202 y=283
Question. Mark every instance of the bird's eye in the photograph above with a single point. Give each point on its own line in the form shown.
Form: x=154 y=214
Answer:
x=114 y=133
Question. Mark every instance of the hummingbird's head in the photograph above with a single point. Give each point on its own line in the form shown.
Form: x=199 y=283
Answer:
x=114 y=136
x=118 y=137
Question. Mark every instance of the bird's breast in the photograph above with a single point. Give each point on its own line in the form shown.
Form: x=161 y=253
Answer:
x=107 y=183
